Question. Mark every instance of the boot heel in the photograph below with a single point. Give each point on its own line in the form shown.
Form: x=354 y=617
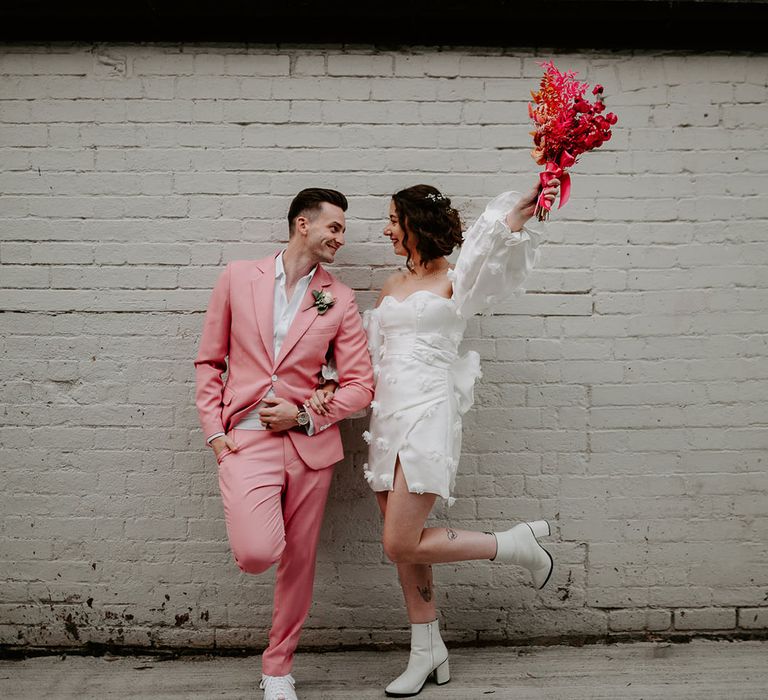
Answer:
x=443 y=673
x=540 y=528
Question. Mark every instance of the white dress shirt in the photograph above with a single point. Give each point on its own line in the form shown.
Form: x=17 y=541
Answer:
x=283 y=313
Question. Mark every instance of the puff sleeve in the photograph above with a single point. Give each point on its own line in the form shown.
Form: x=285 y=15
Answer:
x=375 y=339
x=494 y=261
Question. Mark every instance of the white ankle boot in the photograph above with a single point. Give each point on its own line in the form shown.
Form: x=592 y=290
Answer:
x=428 y=655
x=520 y=546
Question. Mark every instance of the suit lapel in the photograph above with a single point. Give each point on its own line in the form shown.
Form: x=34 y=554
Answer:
x=306 y=314
x=263 y=288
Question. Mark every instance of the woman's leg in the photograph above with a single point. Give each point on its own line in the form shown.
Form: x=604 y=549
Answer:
x=407 y=541
x=428 y=651
x=416 y=582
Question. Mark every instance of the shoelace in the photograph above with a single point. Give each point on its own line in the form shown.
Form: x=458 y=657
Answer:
x=278 y=684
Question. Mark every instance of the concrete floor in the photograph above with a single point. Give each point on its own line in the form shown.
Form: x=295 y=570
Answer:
x=696 y=671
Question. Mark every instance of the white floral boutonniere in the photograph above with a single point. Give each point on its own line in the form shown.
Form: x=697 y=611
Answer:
x=323 y=301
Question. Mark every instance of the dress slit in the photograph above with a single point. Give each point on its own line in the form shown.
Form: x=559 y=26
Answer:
x=399 y=459
x=411 y=474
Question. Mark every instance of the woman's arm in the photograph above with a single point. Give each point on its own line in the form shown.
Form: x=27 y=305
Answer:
x=518 y=216
x=498 y=252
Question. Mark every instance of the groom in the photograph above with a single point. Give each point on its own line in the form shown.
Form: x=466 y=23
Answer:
x=269 y=325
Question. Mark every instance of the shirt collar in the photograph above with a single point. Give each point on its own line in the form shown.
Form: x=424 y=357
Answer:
x=280 y=269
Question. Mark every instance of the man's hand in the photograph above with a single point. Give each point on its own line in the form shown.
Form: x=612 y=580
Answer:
x=524 y=209
x=280 y=414
x=322 y=396
x=221 y=443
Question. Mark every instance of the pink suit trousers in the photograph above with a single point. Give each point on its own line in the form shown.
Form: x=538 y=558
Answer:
x=273 y=506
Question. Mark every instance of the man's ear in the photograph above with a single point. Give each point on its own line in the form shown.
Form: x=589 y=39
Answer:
x=301 y=225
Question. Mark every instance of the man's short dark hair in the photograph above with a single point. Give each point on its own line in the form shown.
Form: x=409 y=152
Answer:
x=310 y=200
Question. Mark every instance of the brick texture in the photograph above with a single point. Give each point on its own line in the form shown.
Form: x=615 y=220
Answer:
x=623 y=396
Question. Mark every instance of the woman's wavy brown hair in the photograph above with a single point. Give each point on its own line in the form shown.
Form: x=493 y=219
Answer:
x=432 y=227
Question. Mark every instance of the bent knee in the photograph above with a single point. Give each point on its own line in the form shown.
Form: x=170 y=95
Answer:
x=399 y=552
x=256 y=560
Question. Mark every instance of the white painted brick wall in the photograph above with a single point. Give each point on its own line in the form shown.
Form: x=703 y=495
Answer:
x=623 y=396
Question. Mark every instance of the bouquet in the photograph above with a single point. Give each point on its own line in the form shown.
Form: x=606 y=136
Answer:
x=567 y=125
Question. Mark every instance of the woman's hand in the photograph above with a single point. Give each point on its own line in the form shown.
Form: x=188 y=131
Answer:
x=524 y=209
x=322 y=396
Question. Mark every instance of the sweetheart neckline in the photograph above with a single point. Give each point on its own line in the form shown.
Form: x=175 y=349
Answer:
x=418 y=291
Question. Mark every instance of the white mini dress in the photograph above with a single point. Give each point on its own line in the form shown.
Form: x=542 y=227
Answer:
x=423 y=385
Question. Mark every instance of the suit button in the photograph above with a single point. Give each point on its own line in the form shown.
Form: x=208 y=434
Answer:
x=274 y=377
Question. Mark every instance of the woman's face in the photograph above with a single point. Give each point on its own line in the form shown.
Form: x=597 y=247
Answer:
x=395 y=232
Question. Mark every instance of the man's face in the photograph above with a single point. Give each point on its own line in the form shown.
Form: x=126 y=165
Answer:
x=323 y=231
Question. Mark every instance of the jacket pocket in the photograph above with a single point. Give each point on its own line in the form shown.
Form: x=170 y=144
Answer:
x=325 y=329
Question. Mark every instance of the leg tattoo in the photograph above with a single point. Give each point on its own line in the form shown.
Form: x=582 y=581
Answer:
x=425 y=593
x=452 y=534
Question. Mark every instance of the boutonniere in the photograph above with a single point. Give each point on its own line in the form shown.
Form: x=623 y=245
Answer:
x=323 y=301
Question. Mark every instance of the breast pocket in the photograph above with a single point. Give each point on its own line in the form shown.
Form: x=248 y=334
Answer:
x=322 y=330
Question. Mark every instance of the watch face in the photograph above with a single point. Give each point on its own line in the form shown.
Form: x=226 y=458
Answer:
x=302 y=418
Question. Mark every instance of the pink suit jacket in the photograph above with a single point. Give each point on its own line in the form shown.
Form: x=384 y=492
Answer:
x=238 y=337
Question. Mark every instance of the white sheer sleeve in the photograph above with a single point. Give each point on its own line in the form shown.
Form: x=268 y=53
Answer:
x=493 y=261
x=329 y=371
x=375 y=339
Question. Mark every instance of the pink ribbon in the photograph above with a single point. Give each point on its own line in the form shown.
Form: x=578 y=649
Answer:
x=555 y=170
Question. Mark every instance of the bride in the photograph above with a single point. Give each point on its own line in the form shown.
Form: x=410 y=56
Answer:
x=423 y=387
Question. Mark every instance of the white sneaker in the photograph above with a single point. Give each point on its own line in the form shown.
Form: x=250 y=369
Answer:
x=278 y=687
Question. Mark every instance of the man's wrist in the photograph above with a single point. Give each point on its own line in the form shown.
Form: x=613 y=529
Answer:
x=302 y=417
x=213 y=437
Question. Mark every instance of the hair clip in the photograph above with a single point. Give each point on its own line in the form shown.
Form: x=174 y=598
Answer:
x=435 y=197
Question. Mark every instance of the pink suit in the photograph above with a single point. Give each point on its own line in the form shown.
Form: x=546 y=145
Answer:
x=274 y=487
